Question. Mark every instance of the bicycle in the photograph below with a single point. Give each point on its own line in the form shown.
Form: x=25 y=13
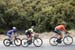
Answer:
x=67 y=40
x=16 y=41
x=36 y=40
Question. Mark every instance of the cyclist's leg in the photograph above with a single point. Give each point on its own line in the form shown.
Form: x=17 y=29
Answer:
x=13 y=36
x=10 y=38
x=30 y=39
x=60 y=36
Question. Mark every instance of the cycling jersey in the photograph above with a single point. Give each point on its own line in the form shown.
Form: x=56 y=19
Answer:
x=60 y=27
x=10 y=32
x=29 y=32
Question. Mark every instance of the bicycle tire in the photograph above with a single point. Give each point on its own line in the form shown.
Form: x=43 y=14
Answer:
x=24 y=44
x=53 y=41
x=70 y=40
x=17 y=41
x=36 y=44
x=5 y=43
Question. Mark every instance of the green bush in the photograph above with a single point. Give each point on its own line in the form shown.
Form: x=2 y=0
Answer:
x=2 y=31
x=20 y=14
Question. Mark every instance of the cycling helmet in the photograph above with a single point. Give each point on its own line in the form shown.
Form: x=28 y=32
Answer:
x=32 y=27
x=14 y=28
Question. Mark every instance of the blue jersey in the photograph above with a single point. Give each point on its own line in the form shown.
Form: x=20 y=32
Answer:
x=9 y=33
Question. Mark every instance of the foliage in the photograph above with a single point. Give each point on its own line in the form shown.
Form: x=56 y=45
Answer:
x=46 y=13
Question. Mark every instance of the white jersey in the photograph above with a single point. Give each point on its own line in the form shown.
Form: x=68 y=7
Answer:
x=30 y=29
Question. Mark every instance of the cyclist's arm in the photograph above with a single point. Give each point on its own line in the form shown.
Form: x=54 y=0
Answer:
x=65 y=31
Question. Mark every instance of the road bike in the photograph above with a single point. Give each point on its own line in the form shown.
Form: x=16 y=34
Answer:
x=67 y=40
x=36 y=40
x=17 y=41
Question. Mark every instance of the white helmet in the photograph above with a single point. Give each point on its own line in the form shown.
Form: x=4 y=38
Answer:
x=13 y=27
x=32 y=27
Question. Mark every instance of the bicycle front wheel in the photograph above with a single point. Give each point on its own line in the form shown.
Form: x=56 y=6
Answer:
x=6 y=42
x=68 y=40
x=17 y=42
x=38 y=42
x=24 y=43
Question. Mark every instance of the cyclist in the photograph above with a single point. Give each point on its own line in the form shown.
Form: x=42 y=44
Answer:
x=58 y=29
x=29 y=33
x=11 y=33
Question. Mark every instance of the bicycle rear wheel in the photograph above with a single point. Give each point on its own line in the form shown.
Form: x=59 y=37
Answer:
x=24 y=43
x=53 y=41
x=6 y=42
x=68 y=40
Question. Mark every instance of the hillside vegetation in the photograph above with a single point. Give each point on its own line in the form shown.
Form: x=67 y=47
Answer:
x=44 y=14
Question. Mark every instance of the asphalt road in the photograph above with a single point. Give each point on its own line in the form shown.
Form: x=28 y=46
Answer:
x=45 y=46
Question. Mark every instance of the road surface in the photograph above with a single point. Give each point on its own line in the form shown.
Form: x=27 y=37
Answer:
x=45 y=46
